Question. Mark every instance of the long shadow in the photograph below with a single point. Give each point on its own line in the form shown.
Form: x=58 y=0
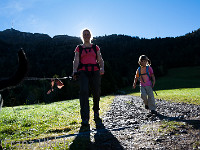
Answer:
x=103 y=139
x=82 y=140
x=194 y=123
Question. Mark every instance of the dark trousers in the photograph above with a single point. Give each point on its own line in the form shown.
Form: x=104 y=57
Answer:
x=89 y=80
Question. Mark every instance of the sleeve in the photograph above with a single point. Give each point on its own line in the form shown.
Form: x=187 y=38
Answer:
x=97 y=48
x=76 y=49
x=150 y=71
x=137 y=74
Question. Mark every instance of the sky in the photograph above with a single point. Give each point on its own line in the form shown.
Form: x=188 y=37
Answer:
x=142 y=18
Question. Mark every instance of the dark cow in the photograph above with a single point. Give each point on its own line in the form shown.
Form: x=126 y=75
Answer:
x=16 y=78
x=19 y=75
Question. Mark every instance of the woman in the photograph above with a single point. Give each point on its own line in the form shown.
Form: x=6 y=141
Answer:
x=88 y=63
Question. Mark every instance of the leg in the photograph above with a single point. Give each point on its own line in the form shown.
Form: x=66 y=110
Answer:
x=95 y=83
x=84 y=93
x=144 y=95
x=151 y=100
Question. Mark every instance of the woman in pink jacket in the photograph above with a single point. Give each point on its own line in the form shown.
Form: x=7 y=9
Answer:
x=88 y=63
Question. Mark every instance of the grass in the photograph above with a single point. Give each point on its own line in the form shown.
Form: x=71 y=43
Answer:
x=182 y=95
x=39 y=121
x=171 y=126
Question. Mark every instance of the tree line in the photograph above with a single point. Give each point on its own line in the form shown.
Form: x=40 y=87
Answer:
x=53 y=57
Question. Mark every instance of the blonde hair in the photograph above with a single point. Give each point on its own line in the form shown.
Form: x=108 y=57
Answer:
x=144 y=57
x=86 y=29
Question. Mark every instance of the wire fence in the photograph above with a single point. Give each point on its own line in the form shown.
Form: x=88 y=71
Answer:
x=34 y=90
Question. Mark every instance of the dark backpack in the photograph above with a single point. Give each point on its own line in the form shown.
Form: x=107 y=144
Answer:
x=87 y=65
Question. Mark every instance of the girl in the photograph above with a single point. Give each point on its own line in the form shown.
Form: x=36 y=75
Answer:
x=145 y=72
x=88 y=63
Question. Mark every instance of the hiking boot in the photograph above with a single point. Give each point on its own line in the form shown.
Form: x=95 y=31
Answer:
x=146 y=107
x=153 y=112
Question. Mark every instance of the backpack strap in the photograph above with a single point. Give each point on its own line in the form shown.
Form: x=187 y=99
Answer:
x=147 y=72
x=140 y=75
x=80 y=52
x=139 y=70
x=94 y=47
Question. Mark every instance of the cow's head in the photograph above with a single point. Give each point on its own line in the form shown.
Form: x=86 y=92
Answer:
x=17 y=77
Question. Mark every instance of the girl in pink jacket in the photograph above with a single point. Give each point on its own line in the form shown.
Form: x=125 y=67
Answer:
x=145 y=73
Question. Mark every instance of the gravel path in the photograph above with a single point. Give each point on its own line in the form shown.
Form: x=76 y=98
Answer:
x=128 y=125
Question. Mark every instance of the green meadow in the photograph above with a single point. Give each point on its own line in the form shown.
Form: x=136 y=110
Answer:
x=25 y=123
x=39 y=121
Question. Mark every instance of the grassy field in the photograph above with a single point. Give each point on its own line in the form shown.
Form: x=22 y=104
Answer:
x=24 y=123
x=61 y=118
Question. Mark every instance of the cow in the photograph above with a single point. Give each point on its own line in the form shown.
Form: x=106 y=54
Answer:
x=16 y=78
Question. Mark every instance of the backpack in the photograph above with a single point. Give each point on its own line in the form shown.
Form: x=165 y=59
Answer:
x=147 y=73
x=87 y=65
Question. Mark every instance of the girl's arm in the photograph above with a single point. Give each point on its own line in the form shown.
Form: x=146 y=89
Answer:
x=136 y=79
x=135 y=82
x=154 y=80
x=152 y=76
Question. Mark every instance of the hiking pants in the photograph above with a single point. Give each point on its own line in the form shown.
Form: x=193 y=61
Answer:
x=148 y=97
x=90 y=80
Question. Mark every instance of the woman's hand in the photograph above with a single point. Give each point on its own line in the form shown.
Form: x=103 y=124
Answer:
x=75 y=75
x=102 y=71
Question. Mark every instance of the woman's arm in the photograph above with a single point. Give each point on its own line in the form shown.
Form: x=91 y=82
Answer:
x=101 y=62
x=75 y=63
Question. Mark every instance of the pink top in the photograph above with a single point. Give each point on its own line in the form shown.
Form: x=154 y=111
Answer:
x=147 y=81
x=88 y=58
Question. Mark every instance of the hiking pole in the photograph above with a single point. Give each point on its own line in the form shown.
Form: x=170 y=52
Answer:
x=155 y=92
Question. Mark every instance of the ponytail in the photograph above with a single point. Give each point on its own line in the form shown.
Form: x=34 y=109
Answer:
x=149 y=62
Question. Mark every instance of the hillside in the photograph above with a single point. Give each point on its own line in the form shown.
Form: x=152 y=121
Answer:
x=53 y=56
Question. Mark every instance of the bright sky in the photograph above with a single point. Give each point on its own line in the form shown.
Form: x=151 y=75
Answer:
x=142 y=18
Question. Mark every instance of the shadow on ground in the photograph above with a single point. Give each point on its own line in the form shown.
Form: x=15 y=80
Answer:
x=103 y=139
